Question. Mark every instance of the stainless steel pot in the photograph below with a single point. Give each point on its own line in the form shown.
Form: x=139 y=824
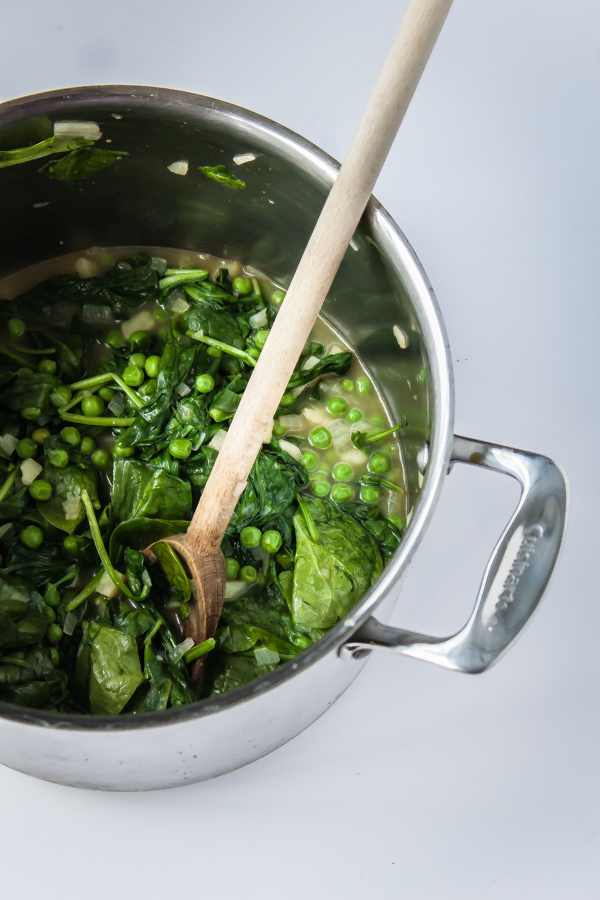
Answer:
x=380 y=284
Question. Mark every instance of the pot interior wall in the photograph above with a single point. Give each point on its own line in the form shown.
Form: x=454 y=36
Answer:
x=139 y=201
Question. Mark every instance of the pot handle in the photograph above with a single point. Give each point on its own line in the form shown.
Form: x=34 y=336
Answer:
x=515 y=578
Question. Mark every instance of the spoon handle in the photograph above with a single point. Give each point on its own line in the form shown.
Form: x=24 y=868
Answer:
x=321 y=259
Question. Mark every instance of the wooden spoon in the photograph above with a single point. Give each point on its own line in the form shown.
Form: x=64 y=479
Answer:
x=200 y=547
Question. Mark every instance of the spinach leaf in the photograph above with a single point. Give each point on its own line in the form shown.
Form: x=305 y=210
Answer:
x=80 y=163
x=30 y=679
x=336 y=363
x=139 y=533
x=51 y=145
x=69 y=353
x=332 y=572
x=272 y=485
x=385 y=533
x=24 y=616
x=223 y=176
x=170 y=563
x=108 y=668
x=29 y=390
x=362 y=439
x=47 y=563
x=230 y=671
x=67 y=485
x=14 y=506
x=141 y=491
x=265 y=611
x=219 y=324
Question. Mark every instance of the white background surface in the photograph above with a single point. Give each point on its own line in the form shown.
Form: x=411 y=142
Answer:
x=418 y=783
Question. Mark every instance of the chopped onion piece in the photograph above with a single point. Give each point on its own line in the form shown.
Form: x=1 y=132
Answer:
x=142 y=322
x=292 y=449
x=179 y=168
x=218 y=440
x=292 y=423
x=269 y=433
x=88 y=130
x=234 y=589
x=4 y=528
x=93 y=314
x=107 y=587
x=354 y=457
x=340 y=433
x=183 y=389
x=72 y=508
x=86 y=268
x=241 y=158
x=335 y=348
x=116 y=405
x=310 y=362
x=158 y=263
x=182 y=648
x=401 y=336
x=8 y=443
x=259 y=319
x=315 y=415
x=266 y=657
x=70 y=622
x=30 y=469
x=177 y=303
x=42 y=419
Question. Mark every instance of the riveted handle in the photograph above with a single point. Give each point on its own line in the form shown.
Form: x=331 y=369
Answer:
x=515 y=578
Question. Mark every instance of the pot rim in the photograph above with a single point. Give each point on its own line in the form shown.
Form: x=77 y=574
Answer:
x=402 y=257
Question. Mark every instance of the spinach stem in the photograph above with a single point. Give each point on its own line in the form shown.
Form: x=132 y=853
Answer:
x=8 y=483
x=43 y=352
x=312 y=530
x=85 y=593
x=101 y=549
x=74 y=401
x=15 y=356
x=97 y=420
x=199 y=650
x=98 y=380
x=226 y=348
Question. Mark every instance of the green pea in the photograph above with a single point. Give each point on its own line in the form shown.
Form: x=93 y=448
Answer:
x=51 y=596
x=232 y=567
x=180 y=448
x=133 y=376
x=254 y=352
x=398 y=521
x=31 y=412
x=341 y=492
x=160 y=315
x=152 y=366
x=121 y=451
x=115 y=339
x=310 y=460
x=250 y=536
x=148 y=389
x=369 y=494
x=54 y=633
x=277 y=297
x=59 y=459
x=139 y=340
x=71 y=435
x=40 y=490
x=54 y=656
x=354 y=415
x=271 y=541
x=288 y=399
x=51 y=615
x=248 y=573
x=336 y=406
x=40 y=435
x=47 y=366
x=24 y=370
x=260 y=338
x=215 y=352
x=88 y=445
x=71 y=546
x=27 y=448
x=379 y=463
x=242 y=285
x=107 y=394
x=101 y=458
x=320 y=437
x=138 y=359
x=342 y=472
x=204 y=384
x=92 y=406
x=16 y=328
x=363 y=385
x=279 y=430
x=320 y=488
x=377 y=420
x=60 y=395
x=348 y=385
x=32 y=537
